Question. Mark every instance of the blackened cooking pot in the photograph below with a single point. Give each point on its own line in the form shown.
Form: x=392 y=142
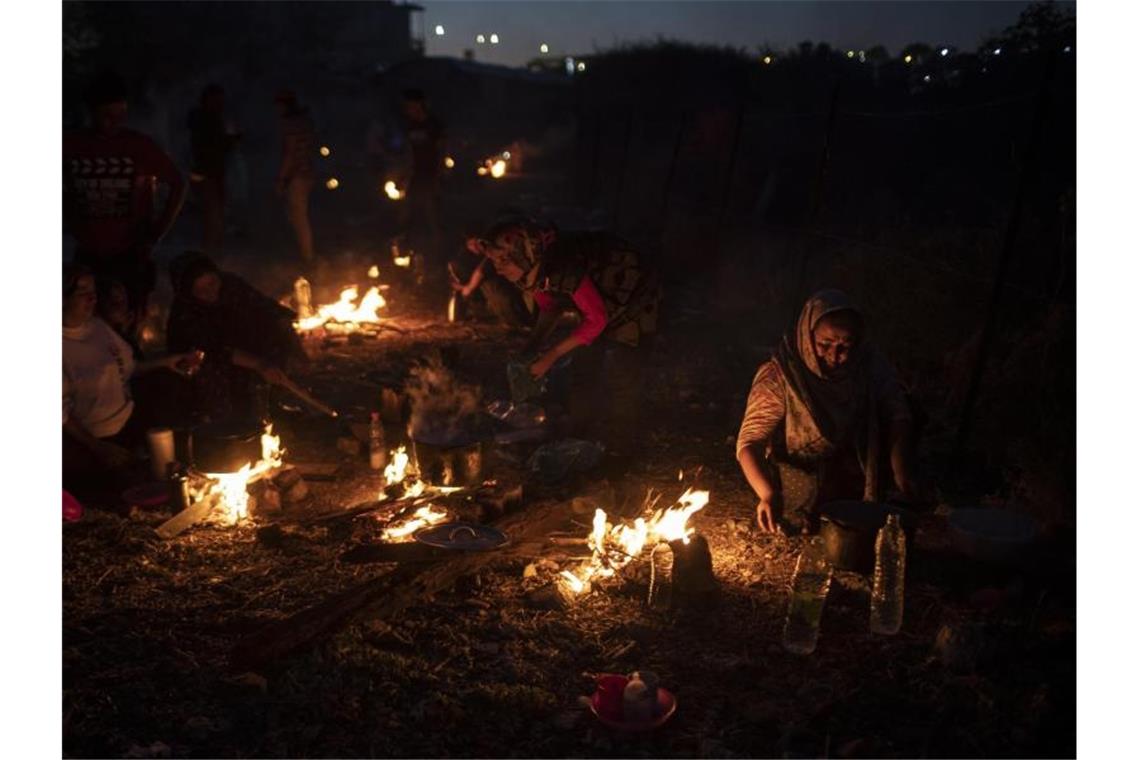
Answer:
x=449 y=464
x=849 y=528
x=225 y=446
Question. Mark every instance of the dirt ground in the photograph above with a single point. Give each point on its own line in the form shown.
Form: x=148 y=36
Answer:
x=481 y=670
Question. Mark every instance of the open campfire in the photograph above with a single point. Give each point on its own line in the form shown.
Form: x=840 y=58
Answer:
x=400 y=475
x=615 y=546
x=349 y=313
x=229 y=490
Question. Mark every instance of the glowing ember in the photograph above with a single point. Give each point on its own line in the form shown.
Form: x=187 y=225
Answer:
x=426 y=515
x=614 y=547
x=394 y=193
x=230 y=487
x=373 y=272
x=449 y=162
x=498 y=168
x=404 y=260
x=333 y=183
x=346 y=311
x=325 y=151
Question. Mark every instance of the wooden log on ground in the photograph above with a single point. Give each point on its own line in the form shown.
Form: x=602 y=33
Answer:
x=389 y=594
x=192 y=515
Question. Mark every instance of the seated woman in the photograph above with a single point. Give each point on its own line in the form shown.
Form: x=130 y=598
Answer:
x=820 y=417
x=244 y=334
x=100 y=422
x=601 y=278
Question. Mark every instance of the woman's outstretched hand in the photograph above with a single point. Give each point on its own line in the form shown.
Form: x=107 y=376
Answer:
x=765 y=519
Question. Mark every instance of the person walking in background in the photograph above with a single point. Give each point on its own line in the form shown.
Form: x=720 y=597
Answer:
x=211 y=140
x=419 y=214
x=297 y=173
x=111 y=174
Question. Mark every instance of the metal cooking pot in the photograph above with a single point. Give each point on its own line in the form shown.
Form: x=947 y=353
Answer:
x=849 y=528
x=449 y=465
x=225 y=446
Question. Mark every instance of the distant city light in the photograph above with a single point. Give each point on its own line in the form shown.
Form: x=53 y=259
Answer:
x=997 y=51
x=325 y=151
x=544 y=48
x=332 y=184
x=438 y=30
x=494 y=39
x=480 y=39
x=908 y=59
x=945 y=52
x=862 y=56
x=926 y=78
x=767 y=59
x=581 y=66
x=1068 y=49
x=850 y=53
x=569 y=65
x=449 y=162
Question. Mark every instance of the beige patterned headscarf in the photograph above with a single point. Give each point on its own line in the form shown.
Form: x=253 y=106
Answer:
x=824 y=413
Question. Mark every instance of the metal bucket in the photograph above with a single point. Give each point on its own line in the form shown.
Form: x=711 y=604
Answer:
x=849 y=528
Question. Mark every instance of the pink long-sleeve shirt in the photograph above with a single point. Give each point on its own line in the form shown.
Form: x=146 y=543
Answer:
x=588 y=301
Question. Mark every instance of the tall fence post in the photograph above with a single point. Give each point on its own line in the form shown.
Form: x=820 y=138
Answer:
x=595 y=157
x=820 y=184
x=726 y=191
x=673 y=166
x=993 y=312
x=624 y=166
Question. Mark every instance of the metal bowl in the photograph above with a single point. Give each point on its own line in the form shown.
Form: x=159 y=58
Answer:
x=992 y=535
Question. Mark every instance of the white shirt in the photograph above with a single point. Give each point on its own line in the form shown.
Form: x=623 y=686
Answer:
x=97 y=367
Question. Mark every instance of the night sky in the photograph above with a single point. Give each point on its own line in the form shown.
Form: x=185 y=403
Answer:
x=580 y=27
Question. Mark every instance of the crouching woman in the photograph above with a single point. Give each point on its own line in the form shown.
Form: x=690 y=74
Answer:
x=827 y=419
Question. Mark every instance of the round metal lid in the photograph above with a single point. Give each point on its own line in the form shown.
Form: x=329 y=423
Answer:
x=462 y=536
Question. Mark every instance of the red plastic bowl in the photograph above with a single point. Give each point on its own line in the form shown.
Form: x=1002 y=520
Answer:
x=666 y=706
x=72 y=509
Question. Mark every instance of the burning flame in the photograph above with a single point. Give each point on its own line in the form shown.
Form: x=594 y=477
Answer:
x=346 y=310
x=394 y=193
x=373 y=272
x=397 y=468
x=614 y=547
x=423 y=517
x=404 y=260
x=230 y=487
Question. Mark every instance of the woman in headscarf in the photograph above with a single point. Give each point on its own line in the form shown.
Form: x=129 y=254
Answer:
x=244 y=334
x=825 y=416
x=600 y=277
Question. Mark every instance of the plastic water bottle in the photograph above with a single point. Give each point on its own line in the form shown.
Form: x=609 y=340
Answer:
x=303 y=295
x=890 y=577
x=377 y=453
x=810 y=585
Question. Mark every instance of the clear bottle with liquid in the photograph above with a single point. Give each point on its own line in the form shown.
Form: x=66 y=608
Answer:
x=890 y=578
x=303 y=295
x=377 y=452
x=810 y=585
